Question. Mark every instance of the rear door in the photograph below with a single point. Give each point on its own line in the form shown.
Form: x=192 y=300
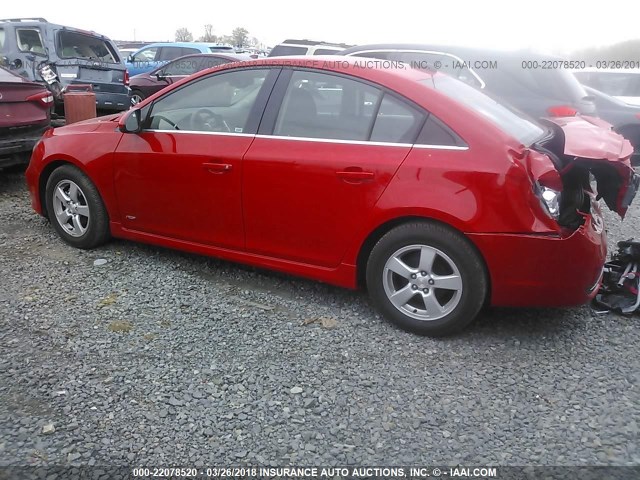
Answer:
x=326 y=150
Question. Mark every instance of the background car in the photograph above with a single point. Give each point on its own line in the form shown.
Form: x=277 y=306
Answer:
x=73 y=56
x=25 y=108
x=625 y=118
x=147 y=84
x=414 y=183
x=623 y=84
x=515 y=78
x=306 y=47
x=157 y=54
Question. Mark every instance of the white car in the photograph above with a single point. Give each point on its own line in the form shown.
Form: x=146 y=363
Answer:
x=623 y=84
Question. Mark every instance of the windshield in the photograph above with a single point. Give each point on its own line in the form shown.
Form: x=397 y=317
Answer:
x=79 y=45
x=510 y=122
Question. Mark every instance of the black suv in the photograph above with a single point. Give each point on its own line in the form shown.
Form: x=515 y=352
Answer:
x=524 y=80
x=59 y=56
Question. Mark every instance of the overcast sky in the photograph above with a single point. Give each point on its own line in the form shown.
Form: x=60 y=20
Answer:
x=559 y=26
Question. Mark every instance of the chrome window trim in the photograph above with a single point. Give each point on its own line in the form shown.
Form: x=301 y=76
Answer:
x=317 y=140
x=412 y=50
x=362 y=142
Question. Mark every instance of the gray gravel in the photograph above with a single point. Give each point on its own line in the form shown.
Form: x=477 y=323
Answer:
x=159 y=357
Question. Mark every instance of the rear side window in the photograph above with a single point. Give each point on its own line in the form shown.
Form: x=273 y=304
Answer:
x=283 y=50
x=396 y=122
x=436 y=132
x=188 y=51
x=30 y=40
x=325 y=51
x=80 y=45
x=319 y=105
x=170 y=53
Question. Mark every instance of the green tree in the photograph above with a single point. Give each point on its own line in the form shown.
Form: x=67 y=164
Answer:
x=240 y=37
x=183 y=35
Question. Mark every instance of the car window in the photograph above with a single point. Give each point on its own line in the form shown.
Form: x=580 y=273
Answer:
x=146 y=55
x=79 y=45
x=30 y=40
x=396 y=122
x=188 y=66
x=169 y=53
x=221 y=48
x=284 y=50
x=1 y=38
x=621 y=84
x=510 y=122
x=435 y=132
x=320 y=105
x=326 y=51
x=188 y=51
x=217 y=103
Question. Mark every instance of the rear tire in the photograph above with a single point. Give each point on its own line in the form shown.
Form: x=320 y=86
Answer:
x=75 y=208
x=426 y=278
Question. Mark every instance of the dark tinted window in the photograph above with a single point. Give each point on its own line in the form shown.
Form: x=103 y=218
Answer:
x=326 y=51
x=283 y=50
x=396 y=122
x=435 y=132
x=170 y=53
x=319 y=105
x=218 y=103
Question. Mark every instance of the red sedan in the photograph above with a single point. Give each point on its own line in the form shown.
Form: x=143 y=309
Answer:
x=352 y=172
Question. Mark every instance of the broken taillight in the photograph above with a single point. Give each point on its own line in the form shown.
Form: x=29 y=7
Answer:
x=43 y=97
x=562 y=111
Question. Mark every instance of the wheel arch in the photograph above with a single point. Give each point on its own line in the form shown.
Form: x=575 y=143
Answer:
x=382 y=229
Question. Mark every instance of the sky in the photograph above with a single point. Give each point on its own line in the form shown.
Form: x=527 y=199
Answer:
x=552 y=26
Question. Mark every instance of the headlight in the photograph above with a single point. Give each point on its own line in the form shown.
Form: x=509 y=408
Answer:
x=550 y=200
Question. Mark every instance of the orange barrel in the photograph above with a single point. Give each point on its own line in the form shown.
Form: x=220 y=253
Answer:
x=79 y=103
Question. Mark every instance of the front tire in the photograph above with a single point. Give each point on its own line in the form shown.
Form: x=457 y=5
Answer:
x=75 y=208
x=426 y=278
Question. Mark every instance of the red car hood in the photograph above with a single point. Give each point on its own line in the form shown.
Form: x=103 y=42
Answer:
x=591 y=143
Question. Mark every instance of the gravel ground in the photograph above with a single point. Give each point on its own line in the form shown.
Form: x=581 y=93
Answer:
x=162 y=358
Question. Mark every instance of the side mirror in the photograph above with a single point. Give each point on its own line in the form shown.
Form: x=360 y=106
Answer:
x=130 y=59
x=160 y=75
x=131 y=122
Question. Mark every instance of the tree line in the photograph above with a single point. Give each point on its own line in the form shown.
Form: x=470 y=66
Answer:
x=239 y=37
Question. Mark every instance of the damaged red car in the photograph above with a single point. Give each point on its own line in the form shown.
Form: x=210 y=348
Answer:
x=409 y=183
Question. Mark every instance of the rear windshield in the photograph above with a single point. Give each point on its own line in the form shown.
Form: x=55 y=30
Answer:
x=284 y=50
x=510 y=122
x=80 y=45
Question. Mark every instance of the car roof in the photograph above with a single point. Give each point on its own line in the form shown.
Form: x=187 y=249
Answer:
x=184 y=44
x=461 y=51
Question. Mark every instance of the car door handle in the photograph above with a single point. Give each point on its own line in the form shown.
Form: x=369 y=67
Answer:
x=355 y=175
x=217 y=168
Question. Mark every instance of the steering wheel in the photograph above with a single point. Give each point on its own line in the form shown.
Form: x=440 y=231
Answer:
x=205 y=119
x=169 y=121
